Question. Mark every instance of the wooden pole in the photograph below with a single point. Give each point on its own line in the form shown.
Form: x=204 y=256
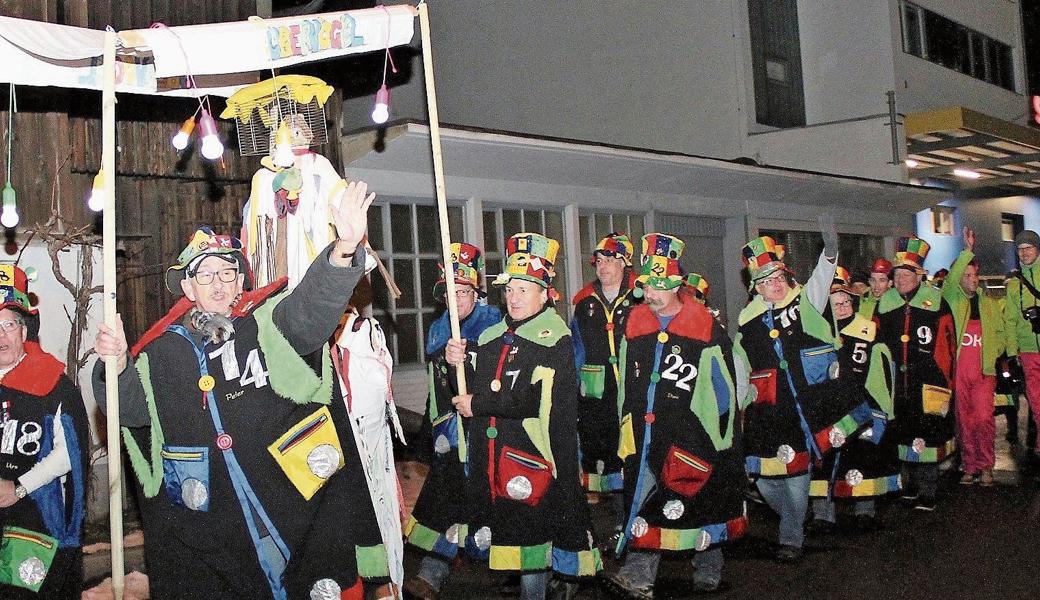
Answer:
x=438 y=176
x=108 y=164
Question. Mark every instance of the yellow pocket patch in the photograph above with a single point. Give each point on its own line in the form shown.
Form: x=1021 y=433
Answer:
x=627 y=441
x=310 y=452
x=935 y=400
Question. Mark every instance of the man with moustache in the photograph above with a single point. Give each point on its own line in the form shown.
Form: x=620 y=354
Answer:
x=680 y=438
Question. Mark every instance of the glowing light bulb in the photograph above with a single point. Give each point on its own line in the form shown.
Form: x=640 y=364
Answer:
x=283 y=154
x=9 y=215
x=96 y=200
x=911 y=163
x=212 y=148
x=381 y=109
x=180 y=140
x=967 y=173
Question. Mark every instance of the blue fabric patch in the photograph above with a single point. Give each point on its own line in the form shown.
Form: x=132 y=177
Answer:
x=718 y=532
x=753 y=465
x=67 y=529
x=565 y=562
x=718 y=383
x=177 y=471
x=445 y=548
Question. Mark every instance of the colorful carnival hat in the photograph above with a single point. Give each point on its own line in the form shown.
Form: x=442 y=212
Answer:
x=882 y=266
x=531 y=257
x=466 y=262
x=14 y=289
x=842 y=281
x=698 y=284
x=204 y=242
x=763 y=257
x=659 y=267
x=910 y=254
x=616 y=245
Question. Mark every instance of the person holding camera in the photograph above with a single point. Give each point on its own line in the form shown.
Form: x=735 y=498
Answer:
x=1022 y=316
x=978 y=321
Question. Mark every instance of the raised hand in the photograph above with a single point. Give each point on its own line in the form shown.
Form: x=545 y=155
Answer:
x=350 y=215
x=969 y=239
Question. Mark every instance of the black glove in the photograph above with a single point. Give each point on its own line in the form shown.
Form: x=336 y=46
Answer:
x=830 y=236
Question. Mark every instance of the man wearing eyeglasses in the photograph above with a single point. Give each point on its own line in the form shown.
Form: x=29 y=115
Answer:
x=44 y=439
x=252 y=480
x=794 y=414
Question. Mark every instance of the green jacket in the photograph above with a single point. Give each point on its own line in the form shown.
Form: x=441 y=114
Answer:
x=1022 y=338
x=995 y=336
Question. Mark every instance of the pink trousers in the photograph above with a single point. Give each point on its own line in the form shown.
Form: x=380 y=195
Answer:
x=976 y=426
x=1031 y=366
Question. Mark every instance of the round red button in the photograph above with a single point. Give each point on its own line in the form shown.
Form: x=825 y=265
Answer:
x=609 y=327
x=224 y=441
x=649 y=418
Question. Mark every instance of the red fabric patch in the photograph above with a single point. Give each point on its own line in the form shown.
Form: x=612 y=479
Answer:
x=652 y=539
x=823 y=439
x=800 y=462
x=737 y=527
x=37 y=374
x=354 y=592
x=583 y=293
x=693 y=322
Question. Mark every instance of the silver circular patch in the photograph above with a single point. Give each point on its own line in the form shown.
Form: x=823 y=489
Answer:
x=32 y=571
x=918 y=445
x=785 y=454
x=194 y=493
x=452 y=534
x=600 y=465
x=673 y=509
x=519 y=488
x=703 y=541
x=867 y=434
x=853 y=477
x=325 y=589
x=323 y=461
x=441 y=445
x=640 y=527
x=837 y=438
x=833 y=370
x=482 y=538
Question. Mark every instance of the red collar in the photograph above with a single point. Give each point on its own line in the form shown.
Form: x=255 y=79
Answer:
x=590 y=288
x=37 y=374
x=249 y=301
x=693 y=321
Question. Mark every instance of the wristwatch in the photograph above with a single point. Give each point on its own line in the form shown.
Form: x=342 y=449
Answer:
x=20 y=491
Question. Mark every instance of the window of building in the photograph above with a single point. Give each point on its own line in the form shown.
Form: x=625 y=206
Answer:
x=596 y=226
x=407 y=236
x=942 y=220
x=856 y=252
x=776 y=63
x=1007 y=230
x=501 y=223
x=945 y=42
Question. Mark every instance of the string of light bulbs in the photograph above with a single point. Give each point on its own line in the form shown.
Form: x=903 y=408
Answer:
x=381 y=108
x=9 y=213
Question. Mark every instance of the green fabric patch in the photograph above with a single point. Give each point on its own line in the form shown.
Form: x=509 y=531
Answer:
x=623 y=362
x=371 y=561
x=927 y=298
x=758 y=306
x=881 y=376
x=740 y=357
x=20 y=545
x=704 y=403
x=423 y=537
x=290 y=376
x=814 y=323
x=537 y=428
x=149 y=473
x=492 y=333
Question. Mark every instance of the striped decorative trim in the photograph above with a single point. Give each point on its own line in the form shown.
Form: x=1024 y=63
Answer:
x=849 y=424
x=585 y=563
x=607 y=482
x=428 y=539
x=521 y=558
x=371 y=561
x=930 y=455
x=759 y=466
x=27 y=536
x=866 y=489
x=658 y=538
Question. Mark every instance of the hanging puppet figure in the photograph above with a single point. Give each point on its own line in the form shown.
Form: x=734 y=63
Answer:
x=365 y=366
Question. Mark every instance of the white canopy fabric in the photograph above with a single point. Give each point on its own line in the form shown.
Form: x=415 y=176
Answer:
x=222 y=57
